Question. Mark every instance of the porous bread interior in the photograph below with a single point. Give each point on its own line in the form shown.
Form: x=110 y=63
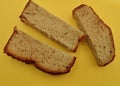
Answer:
x=47 y=58
x=99 y=35
x=51 y=26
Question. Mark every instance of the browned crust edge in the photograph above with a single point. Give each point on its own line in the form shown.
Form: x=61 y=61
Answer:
x=5 y=48
x=21 y=16
x=56 y=72
x=9 y=52
x=32 y=61
x=110 y=32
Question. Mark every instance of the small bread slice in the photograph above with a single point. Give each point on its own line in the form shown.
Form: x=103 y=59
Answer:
x=51 y=26
x=99 y=35
x=49 y=59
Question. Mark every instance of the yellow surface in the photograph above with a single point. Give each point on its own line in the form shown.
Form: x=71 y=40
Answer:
x=85 y=71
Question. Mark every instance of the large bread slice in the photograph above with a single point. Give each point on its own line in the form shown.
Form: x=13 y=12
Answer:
x=49 y=59
x=99 y=35
x=51 y=26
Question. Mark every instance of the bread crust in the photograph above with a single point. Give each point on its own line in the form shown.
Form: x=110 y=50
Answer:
x=32 y=60
x=56 y=72
x=87 y=38
x=21 y=16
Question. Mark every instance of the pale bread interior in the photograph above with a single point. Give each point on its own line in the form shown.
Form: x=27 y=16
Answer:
x=49 y=59
x=51 y=26
x=99 y=35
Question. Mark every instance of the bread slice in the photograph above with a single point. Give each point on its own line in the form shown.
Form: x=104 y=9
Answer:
x=51 y=26
x=99 y=35
x=49 y=59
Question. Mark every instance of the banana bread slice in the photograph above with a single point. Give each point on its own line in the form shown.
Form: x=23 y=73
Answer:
x=49 y=59
x=99 y=35
x=51 y=26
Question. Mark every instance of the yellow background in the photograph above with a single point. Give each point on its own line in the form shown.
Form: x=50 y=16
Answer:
x=85 y=71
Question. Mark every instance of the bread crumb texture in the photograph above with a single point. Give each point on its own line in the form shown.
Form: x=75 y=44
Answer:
x=49 y=59
x=51 y=26
x=99 y=35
